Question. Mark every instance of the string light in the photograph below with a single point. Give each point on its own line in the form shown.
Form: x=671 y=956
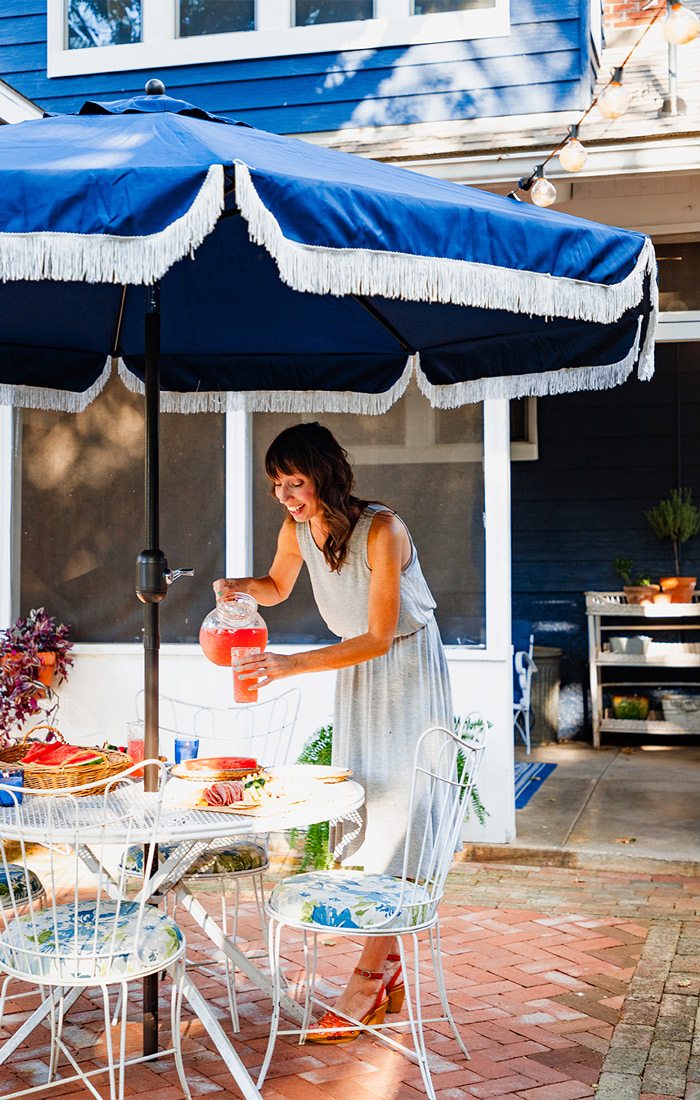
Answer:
x=680 y=25
x=543 y=192
x=573 y=156
x=614 y=100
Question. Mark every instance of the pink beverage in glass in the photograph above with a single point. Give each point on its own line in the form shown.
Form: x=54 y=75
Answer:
x=245 y=691
x=135 y=749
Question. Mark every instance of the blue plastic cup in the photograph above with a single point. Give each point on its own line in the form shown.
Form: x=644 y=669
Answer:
x=11 y=777
x=186 y=748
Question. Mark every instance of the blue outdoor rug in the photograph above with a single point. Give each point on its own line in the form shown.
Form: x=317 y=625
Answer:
x=528 y=780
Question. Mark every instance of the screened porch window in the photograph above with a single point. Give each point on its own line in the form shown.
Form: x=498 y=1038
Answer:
x=426 y=465
x=81 y=508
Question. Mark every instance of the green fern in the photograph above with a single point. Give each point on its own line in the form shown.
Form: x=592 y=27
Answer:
x=316 y=854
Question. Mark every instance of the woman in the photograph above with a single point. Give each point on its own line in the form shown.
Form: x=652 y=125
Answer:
x=392 y=682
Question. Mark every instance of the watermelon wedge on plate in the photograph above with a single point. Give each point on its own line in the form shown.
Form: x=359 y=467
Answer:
x=216 y=768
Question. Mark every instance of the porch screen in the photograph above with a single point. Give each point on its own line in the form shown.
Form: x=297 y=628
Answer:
x=82 y=502
x=425 y=464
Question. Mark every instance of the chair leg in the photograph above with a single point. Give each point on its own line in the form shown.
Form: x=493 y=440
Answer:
x=436 y=953
x=55 y=1049
x=309 y=984
x=177 y=975
x=229 y=968
x=123 y=1002
x=415 y=1014
x=110 y=1050
x=274 y=937
x=259 y=891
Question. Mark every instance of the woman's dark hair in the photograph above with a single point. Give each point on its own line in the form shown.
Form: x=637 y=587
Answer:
x=312 y=450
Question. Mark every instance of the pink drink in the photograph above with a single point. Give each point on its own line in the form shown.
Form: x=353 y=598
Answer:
x=245 y=691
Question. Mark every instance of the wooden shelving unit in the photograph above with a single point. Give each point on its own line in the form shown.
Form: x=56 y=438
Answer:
x=609 y=614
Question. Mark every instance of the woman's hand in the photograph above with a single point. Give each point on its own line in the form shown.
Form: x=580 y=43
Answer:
x=263 y=668
x=224 y=588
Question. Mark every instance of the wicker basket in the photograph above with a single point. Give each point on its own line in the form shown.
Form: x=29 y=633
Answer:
x=46 y=777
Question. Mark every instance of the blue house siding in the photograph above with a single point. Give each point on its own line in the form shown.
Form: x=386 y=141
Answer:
x=543 y=65
x=604 y=459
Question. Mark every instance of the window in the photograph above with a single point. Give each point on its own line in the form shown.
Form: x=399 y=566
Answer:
x=103 y=23
x=425 y=464
x=307 y=13
x=215 y=16
x=82 y=515
x=102 y=36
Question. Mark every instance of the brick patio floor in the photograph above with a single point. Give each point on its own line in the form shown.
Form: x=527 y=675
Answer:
x=565 y=984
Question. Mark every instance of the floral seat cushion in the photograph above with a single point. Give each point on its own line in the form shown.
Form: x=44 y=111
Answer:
x=241 y=856
x=13 y=885
x=85 y=945
x=343 y=899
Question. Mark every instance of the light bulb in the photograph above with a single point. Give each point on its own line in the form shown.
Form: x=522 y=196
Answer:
x=613 y=101
x=573 y=156
x=543 y=193
x=681 y=25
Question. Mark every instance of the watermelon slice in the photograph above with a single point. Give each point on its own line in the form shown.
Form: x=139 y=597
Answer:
x=58 y=755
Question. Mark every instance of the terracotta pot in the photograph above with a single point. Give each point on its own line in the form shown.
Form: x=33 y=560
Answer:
x=48 y=667
x=680 y=589
x=641 y=593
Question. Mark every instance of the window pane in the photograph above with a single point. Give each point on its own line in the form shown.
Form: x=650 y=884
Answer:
x=82 y=516
x=216 y=16
x=428 y=7
x=679 y=276
x=413 y=460
x=309 y=12
x=103 y=23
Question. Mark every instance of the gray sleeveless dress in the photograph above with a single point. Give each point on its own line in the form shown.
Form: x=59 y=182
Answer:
x=383 y=705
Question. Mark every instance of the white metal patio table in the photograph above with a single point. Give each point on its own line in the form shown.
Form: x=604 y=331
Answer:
x=193 y=831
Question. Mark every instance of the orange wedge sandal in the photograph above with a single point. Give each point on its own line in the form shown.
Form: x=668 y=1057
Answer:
x=395 y=989
x=331 y=1023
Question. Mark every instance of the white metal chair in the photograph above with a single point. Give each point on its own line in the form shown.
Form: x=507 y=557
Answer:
x=262 y=730
x=88 y=935
x=523 y=668
x=358 y=904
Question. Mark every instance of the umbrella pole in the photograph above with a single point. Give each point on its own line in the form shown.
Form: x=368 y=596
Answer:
x=151 y=588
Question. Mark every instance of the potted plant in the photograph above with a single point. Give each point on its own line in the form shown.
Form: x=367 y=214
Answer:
x=676 y=518
x=33 y=651
x=636 y=586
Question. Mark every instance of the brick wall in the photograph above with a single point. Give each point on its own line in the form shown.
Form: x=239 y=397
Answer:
x=627 y=13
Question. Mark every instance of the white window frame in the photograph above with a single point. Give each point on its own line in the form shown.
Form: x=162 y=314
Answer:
x=274 y=37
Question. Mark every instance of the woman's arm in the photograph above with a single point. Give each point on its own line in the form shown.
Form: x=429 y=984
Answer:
x=276 y=586
x=388 y=549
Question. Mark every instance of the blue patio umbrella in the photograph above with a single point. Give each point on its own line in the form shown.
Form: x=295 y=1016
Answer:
x=228 y=268
x=276 y=275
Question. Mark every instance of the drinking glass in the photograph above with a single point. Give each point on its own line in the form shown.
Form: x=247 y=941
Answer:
x=186 y=748
x=11 y=777
x=244 y=691
x=135 y=745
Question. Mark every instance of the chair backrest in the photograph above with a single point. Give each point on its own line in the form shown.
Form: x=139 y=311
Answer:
x=446 y=765
x=42 y=833
x=523 y=642
x=78 y=725
x=263 y=730
x=524 y=667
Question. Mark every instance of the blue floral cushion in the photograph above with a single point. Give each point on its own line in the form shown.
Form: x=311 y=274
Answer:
x=242 y=856
x=18 y=878
x=91 y=948
x=343 y=899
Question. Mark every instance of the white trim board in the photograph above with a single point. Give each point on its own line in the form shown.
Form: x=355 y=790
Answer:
x=276 y=37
